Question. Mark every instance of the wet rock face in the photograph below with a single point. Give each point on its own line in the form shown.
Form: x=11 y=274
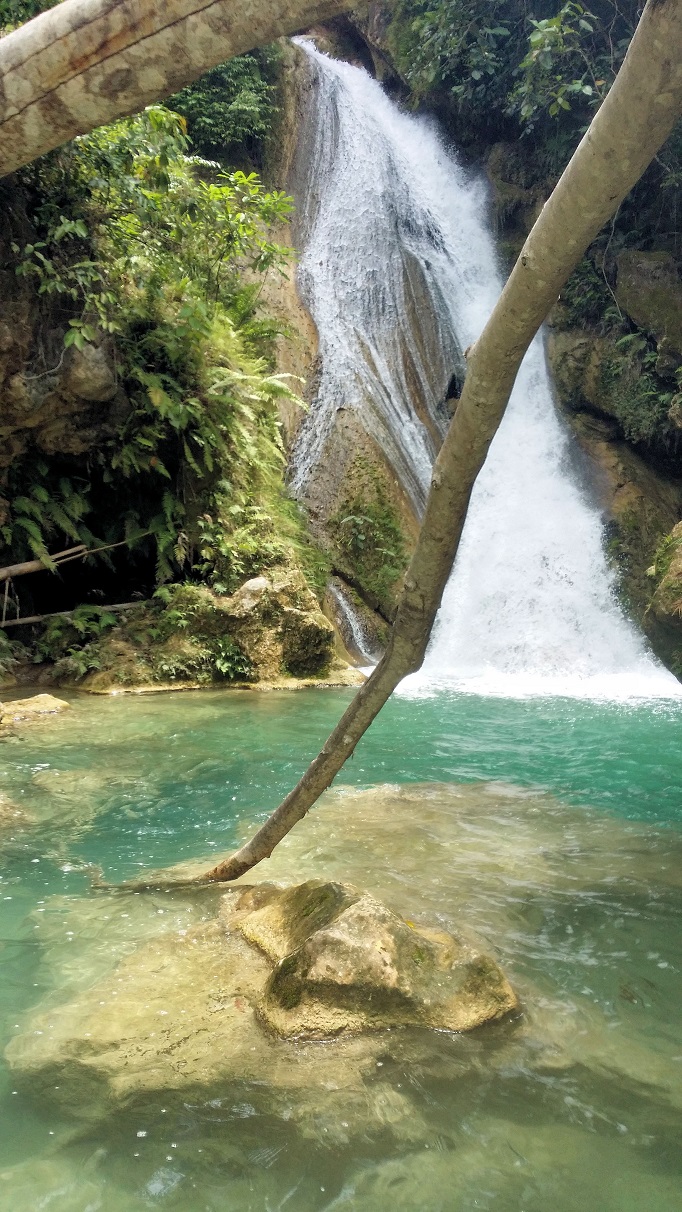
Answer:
x=345 y=962
x=649 y=289
x=641 y=504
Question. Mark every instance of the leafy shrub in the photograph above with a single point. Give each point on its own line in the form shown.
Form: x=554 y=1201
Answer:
x=139 y=240
x=371 y=538
x=230 y=110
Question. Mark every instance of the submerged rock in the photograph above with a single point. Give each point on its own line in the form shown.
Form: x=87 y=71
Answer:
x=216 y=1004
x=11 y=815
x=25 y=710
x=177 y=1017
x=345 y=962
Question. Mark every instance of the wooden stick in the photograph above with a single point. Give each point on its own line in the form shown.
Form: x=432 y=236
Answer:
x=20 y=570
x=40 y=618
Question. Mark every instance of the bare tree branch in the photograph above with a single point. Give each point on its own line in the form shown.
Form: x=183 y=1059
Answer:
x=87 y=62
x=630 y=127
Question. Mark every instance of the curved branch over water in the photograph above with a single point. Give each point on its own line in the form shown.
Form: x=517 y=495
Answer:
x=632 y=124
x=87 y=62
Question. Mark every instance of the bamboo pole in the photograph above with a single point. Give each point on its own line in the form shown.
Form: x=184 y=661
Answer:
x=66 y=614
x=19 y=570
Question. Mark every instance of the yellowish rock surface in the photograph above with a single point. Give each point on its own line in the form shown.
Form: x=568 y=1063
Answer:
x=24 y=710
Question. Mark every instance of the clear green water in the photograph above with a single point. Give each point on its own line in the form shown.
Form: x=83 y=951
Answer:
x=564 y=850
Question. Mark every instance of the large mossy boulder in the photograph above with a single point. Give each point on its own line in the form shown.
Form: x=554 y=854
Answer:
x=277 y=622
x=232 y=1000
x=345 y=962
x=269 y=631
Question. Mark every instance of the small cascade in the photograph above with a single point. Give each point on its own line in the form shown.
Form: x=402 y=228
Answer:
x=399 y=272
x=352 y=627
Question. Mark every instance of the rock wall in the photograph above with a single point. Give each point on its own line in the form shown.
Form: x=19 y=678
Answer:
x=52 y=401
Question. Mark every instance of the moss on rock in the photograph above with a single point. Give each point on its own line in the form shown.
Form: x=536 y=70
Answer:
x=270 y=629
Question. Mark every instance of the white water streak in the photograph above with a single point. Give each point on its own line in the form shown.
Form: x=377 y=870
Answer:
x=351 y=625
x=530 y=607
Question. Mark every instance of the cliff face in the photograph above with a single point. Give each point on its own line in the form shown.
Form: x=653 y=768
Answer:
x=355 y=506
x=614 y=344
x=53 y=402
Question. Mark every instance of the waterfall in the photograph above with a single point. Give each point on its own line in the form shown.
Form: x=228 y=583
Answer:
x=399 y=272
x=355 y=635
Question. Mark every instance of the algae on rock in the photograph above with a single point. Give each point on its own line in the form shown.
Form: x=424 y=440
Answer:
x=270 y=630
x=344 y=962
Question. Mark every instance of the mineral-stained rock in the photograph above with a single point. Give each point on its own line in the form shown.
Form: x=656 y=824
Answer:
x=345 y=962
x=666 y=604
x=89 y=374
x=650 y=291
x=25 y=710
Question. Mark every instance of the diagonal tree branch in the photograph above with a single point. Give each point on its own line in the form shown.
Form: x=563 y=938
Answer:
x=632 y=124
x=87 y=62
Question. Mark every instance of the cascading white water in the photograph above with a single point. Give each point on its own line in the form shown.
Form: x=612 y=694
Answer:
x=530 y=606
x=353 y=631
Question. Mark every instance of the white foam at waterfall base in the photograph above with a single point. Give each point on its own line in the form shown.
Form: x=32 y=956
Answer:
x=530 y=607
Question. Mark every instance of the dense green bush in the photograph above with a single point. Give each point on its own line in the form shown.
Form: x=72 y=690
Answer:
x=230 y=110
x=143 y=243
x=370 y=537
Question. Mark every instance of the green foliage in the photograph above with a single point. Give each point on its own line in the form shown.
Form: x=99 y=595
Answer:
x=563 y=67
x=153 y=231
x=636 y=395
x=463 y=47
x=230 y=110
x=16 y=12
x=666 y=548
x=179 y=636
x=11 y=652
x=511 y=56
x=67 y=641
x=51 y=505
x=588 y=299
x=371 y=538
x=208 y=653
x=140 y=241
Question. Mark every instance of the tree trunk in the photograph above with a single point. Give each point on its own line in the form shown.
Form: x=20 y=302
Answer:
x=632 y=124
x=87 y=62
